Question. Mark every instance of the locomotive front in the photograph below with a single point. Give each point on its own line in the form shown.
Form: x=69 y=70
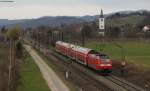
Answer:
x=100 y=62
x=105 y=63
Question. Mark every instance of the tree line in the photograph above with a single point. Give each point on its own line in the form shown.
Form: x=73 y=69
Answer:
x=10 y=77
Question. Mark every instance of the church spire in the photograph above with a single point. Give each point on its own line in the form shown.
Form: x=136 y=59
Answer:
x=101 y=21
x=101 y=15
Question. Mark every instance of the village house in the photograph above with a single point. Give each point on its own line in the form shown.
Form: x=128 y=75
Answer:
x=146 y=28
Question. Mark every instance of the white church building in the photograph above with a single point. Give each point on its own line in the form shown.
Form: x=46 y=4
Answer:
x=101 y=24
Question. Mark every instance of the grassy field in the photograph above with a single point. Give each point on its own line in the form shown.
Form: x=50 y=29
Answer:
x=136 y=52
x=31 y=77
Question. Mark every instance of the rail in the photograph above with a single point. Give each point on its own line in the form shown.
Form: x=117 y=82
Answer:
x=113 y=82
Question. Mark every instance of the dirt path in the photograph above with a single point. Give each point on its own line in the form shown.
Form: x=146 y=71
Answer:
x=53 y=81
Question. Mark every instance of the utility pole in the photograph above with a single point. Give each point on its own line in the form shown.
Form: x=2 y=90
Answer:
x=54 y=36
x=12 y=57
x=11 y=54
x=83 y=37
x=123 y=58
x=62 y=36
x=10 y=66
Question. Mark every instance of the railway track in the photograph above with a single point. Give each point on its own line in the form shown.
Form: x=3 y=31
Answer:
x=128 y=86
x=110 y=83
x=77 y=75
x=113 y=82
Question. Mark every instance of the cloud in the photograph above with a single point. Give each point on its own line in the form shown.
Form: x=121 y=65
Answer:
x=37 y=8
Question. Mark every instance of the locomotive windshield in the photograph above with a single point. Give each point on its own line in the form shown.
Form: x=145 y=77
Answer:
x=102 y=56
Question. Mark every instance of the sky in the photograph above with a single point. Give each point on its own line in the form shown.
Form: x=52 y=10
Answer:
x=27 y=9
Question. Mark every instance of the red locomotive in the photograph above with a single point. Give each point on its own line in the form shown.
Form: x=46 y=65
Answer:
x=85 y=56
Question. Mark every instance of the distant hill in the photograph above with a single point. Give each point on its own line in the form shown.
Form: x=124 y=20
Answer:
x=113 y=19
x=128 y=13
x=4 y=22
x=49 y=21
x=88 y=18
x=132 y=20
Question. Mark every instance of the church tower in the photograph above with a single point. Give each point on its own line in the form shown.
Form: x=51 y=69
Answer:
x=102 y=23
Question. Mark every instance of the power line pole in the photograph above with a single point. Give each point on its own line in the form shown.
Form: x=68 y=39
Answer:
x=11 y=54
x=10 y=66
x=83 y=36
x=123 y=59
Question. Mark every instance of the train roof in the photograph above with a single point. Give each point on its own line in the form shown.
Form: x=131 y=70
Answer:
x=82 y=49
x=75 y=47
x=67 y=45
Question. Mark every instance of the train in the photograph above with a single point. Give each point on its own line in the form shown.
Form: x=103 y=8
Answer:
x=88 y=57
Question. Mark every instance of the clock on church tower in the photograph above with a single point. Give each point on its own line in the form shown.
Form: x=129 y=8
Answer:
x=101 y=21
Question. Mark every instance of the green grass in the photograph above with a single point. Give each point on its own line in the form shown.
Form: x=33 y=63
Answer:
x=31 y=77
x=58 y=72
x=140 y=61
x=136 y=52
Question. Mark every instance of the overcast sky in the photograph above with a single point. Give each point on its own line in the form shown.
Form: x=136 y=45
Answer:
x=21 y=9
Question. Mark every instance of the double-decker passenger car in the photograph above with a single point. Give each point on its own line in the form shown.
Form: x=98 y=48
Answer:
x=85 y=56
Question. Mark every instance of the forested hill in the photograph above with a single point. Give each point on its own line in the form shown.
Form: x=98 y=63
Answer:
x=119 y=18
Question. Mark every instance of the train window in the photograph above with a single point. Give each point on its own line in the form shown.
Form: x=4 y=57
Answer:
x=93 y=52
x=103 y=56
x=92 y=55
